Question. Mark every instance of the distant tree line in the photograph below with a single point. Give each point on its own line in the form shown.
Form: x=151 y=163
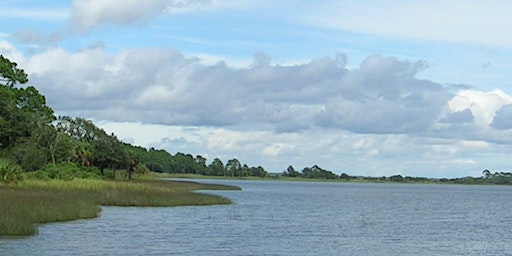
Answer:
x=315 y=172
x=161 y=161
x=36 y=142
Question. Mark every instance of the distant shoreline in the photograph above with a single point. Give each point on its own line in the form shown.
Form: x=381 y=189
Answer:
x=396 y=179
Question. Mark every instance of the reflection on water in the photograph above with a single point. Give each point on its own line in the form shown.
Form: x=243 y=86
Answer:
x=296 y=218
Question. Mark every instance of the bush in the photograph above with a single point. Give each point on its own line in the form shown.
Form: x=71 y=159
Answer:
x=10 y=172
x=64 y=175
x=92 y=176
x=109 y=174
x=38 y=175
x=91 y=170
x=63 y=171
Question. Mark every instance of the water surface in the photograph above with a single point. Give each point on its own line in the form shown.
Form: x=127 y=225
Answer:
x=296 y=218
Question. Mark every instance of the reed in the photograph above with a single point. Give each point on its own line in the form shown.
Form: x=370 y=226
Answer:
x=31 y=202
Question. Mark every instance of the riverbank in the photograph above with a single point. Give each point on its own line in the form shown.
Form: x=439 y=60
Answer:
x=33 y=202
x=396 y=179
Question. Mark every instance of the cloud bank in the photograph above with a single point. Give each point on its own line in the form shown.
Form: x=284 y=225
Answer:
x=162 y=86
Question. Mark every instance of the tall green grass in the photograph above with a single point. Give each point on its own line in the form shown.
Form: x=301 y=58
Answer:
x=31 y=202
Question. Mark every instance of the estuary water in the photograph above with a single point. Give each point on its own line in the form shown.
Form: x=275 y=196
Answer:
x=296 y=218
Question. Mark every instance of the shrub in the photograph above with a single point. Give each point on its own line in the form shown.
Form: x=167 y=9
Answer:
x=38 y=175
x=91 y=170
x=109 y=174
x=63 y=171
x=64 y=175
x=10 y=172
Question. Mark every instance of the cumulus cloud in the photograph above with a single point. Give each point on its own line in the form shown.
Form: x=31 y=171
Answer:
x=383 y=96
x=503 y=118
x=162 y=86
x=459 y=117
x=483 y=105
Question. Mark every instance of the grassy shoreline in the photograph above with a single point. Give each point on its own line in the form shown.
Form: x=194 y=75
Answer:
x=25 y=205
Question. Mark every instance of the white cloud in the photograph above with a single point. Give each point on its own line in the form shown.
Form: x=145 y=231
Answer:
x=483 y=105
x=503 y=118
x=162 y=86
x=89 y=14
x=9 y=51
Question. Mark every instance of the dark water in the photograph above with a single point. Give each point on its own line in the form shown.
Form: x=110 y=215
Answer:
x=296 y=218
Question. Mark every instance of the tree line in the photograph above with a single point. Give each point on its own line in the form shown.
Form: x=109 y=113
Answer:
x=36 y=142
x=315 y=172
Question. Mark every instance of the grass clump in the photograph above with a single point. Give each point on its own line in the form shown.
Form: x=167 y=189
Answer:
x=31 y=202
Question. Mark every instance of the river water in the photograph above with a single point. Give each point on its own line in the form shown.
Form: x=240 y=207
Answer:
x=296 y=218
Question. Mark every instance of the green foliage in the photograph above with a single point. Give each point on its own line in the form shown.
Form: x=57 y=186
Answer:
x=233 y=168
x=316 y=172
x=217 y=167
x=290 y=172
x=109 y=174
x=29 y=154
x=10 y=172
x=10 y=73
x=63 y=171
x=38 y=175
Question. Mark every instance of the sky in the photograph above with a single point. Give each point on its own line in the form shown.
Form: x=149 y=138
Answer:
x=367 y=87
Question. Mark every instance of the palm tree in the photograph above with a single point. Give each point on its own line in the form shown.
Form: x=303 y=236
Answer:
x=487 y=174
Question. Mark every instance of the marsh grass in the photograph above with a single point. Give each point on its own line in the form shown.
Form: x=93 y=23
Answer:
x=31 y=202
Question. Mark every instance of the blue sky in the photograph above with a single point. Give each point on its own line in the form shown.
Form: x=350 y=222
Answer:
x=380 y=87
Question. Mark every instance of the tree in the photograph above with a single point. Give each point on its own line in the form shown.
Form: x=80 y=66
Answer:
x=10 y=73
x=8 y=113
x=233 y=167
x=487 y=174
x=217 y=167
x=258 y=172
x=109 y=153
x=396 y=178
x=345 y=176
x=315 y=172
x=159 y=160
x=290 y=172
x=79 y=128
x=201 y=167
x=245 y=170
x=22 y=113
x=183 y=163
x=28 y=154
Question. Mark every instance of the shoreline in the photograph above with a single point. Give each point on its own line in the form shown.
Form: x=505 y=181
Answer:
x=33 y=202
x=407 y=180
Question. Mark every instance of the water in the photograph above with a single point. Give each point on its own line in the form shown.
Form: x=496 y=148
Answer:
x=296 y=218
